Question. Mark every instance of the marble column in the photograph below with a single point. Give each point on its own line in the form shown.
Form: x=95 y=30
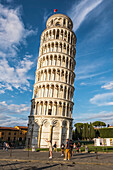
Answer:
x=50 y=134
x=39 y=136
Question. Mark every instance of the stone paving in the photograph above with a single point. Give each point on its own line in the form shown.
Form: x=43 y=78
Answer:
x=18 y=159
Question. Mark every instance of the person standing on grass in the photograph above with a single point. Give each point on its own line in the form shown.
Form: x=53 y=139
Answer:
x=50 y=148
x=67 y=150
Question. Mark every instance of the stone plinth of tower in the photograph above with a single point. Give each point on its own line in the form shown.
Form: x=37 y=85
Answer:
x=52 y=104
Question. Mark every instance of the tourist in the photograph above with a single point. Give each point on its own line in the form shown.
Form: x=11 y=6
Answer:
x=7 y=146
x=74 y=148
x=50 y=148
x=71 y=148
x=67 y=150
x=86 y=149
x=4 y=145
x=55 y=147
x=78 y=147
x=62 y=149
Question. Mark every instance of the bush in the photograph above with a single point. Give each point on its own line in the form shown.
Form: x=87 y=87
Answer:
x=84 y=142
x=106 y=132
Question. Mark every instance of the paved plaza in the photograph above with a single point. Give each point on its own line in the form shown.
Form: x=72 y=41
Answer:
x=18 y=159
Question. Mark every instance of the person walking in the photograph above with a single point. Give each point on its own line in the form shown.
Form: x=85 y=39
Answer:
x=50 y=148
x=74 y=148
x=55 y=147
x=67 y=150
x=78 y=147
x=4 y=146
x=71 y=147
x=7 y=146
x=62 y=149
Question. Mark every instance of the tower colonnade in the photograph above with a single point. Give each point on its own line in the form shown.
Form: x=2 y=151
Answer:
x=57 y=46
x=46 y=90
x=53 y=108
x=56 y=60
x=55 y=74
x=52 y=103
x=63 y=34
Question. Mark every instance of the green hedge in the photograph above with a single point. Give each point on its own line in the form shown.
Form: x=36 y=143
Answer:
x=85 y=142
x=106 y=132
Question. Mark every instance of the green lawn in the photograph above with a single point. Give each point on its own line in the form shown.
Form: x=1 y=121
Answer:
x=91 y=148
x=99 y=148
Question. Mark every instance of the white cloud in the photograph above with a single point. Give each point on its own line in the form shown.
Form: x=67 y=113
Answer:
x=13 y=114
x=12 y=121
x=13 y=108
x=89 y=69
x=83 y=84
x=13 y=71
x=15 y=77
x=108 y=86
x=12 y=30
x=104 y=116
x=81 y=10
x=91 y=75
x=105 y=99
x=46 y=15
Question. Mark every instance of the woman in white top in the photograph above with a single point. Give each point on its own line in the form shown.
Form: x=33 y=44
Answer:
x=50 y=148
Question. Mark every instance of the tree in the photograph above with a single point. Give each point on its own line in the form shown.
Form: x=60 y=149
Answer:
x=73 y=135
x=98 y=123
x=78 y=125
x=91 y=131
x=78 y=130
x=108 y=125
x=85 y=131
x=102 y=124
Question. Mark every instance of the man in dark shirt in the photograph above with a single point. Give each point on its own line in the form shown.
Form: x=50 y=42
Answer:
x=67 y=150
x=55 y=147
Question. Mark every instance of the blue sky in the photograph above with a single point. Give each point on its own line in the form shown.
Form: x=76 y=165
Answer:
x=21 y=25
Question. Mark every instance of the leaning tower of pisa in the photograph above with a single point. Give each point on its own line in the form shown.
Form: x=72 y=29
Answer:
x=52 y=104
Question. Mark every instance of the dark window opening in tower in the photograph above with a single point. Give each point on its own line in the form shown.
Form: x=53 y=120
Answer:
x=64 y=22
x=57 y=24
x=49 y=111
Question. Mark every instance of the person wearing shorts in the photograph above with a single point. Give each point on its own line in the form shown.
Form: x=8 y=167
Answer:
x=62 y=149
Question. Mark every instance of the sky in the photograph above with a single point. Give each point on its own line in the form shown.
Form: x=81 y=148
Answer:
x=21 y=25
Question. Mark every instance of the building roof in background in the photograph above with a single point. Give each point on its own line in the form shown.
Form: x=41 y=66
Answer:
x=110 y=127
x=21 y=127
x=8 y=128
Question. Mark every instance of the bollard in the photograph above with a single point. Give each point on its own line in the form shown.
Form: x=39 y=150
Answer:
x=33 y=148
x=28 y=150
x=96 y=154
x=28 y=146
x=10 y=152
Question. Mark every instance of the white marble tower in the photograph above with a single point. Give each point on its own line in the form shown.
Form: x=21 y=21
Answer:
x=52 y=104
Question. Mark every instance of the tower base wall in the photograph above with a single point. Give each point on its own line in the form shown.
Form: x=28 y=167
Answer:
x=56 y=129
